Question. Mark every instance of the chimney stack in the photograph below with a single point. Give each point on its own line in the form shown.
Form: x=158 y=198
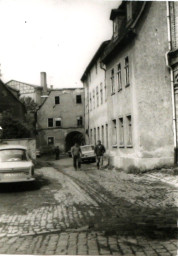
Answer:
x=44 y=84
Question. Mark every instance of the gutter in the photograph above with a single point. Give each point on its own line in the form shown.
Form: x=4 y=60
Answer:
x=172 y=81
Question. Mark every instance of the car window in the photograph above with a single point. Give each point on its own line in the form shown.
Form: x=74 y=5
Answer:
x=13 y=155
x=87 y=148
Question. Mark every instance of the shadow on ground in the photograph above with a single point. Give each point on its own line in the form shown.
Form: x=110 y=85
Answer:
x=37 y=184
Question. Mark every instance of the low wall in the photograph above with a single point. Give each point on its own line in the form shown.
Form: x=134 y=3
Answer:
x=29 y=143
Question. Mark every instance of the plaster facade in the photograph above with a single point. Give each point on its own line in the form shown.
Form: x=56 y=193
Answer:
x=96 y=125
x=60 y=115
x=139 y=98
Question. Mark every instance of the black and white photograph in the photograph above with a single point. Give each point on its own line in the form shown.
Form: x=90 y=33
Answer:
x=89 y=127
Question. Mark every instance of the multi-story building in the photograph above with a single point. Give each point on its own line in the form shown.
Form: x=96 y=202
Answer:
x=60 y=119
x=140 y=96
x=96 y=126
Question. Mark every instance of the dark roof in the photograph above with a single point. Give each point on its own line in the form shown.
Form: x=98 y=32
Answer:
x=128 y=30
x=13 y=94
x=95 y=57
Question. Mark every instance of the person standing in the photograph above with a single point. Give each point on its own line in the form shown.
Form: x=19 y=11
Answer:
x=57 y=152
x=76 y=152
x=99 y=151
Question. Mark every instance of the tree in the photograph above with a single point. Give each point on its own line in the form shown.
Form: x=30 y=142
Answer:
x=12 y=128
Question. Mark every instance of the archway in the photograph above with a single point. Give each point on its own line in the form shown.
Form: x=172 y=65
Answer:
x=72 y=138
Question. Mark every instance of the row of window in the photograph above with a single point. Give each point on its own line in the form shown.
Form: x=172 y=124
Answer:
x=57 y=122
x=117 y=85
x=99 y=133
x=78 y=99
x=121 y=133
x=97 y=97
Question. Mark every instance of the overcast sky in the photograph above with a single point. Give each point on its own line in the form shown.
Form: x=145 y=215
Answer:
x=56 y=36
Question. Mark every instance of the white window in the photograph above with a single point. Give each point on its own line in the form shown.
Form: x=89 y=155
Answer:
x=50 y=140
x=126 y=71
x=119 y=80
x=121 y=132
x=98 y=133
x=58 y=122
x=129 y=130
x=112 y=82
x=114 y=133
x=101 y=92
x=79 y=121
x=97 y=96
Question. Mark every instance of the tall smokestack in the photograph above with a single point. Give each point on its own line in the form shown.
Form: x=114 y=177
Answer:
x=44 y=84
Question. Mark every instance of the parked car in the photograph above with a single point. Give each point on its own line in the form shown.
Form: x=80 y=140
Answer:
x=88 y=153
x=15 y=164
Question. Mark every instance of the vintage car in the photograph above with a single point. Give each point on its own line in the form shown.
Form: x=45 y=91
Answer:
x=15 y=164
x=88 y=153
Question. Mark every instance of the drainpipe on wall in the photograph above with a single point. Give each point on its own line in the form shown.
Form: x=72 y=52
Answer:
x=172 y=82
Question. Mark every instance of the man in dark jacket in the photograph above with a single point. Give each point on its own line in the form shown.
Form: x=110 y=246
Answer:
x=99 y=151
x=76 y=152
x=57 y=152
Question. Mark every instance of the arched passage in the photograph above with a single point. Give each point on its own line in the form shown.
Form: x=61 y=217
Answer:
x=72 y=138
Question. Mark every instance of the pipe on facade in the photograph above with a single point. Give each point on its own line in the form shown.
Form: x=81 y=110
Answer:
x=172 y=81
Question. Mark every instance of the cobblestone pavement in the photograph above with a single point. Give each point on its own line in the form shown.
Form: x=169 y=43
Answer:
x=88 y=212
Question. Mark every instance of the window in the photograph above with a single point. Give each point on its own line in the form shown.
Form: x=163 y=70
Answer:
x=114 y=133
x=101 y=92
x=58 y=122
x=98 y=133
x=129 y=130
x=115 y=27
x=50 y=122
x=97 y=96
x=91 y=136
x=126 y=71
x=78 y=99
x=57 y=100
x=95 y=136
x=93 y=99
x=112 y=82
x=106 y=135
x=119 y=81
x=79 y=121
x=90 y=102
x=105 y=92
x=50 y=140
x=121 y=132
x=102 y=134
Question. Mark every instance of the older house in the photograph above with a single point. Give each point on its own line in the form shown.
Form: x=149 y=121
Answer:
x=60 y=119
x=140 y=95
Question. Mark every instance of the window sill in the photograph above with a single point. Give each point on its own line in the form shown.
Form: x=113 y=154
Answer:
x=120 y=90
x=121 y=146
x=129 y=146
x=114 y=146
x=127 y=85
x=113 y=93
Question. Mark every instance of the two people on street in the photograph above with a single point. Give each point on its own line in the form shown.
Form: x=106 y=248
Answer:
x=76 y=155
x=99 y=151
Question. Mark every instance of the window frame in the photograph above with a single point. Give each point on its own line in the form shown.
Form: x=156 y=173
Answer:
x=112 y=78
x=77 y=99
x=119 y=77
x=129 y=143
x=121 y=132
x=57 y=121
x=57 y=97
x=79 y=121
x=52 y=122
x=114 y=133
x=127 y=72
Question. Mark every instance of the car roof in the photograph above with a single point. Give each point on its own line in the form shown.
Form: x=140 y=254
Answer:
x=8 y=146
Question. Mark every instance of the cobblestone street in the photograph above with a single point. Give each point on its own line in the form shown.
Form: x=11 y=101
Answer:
x=88 y=212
